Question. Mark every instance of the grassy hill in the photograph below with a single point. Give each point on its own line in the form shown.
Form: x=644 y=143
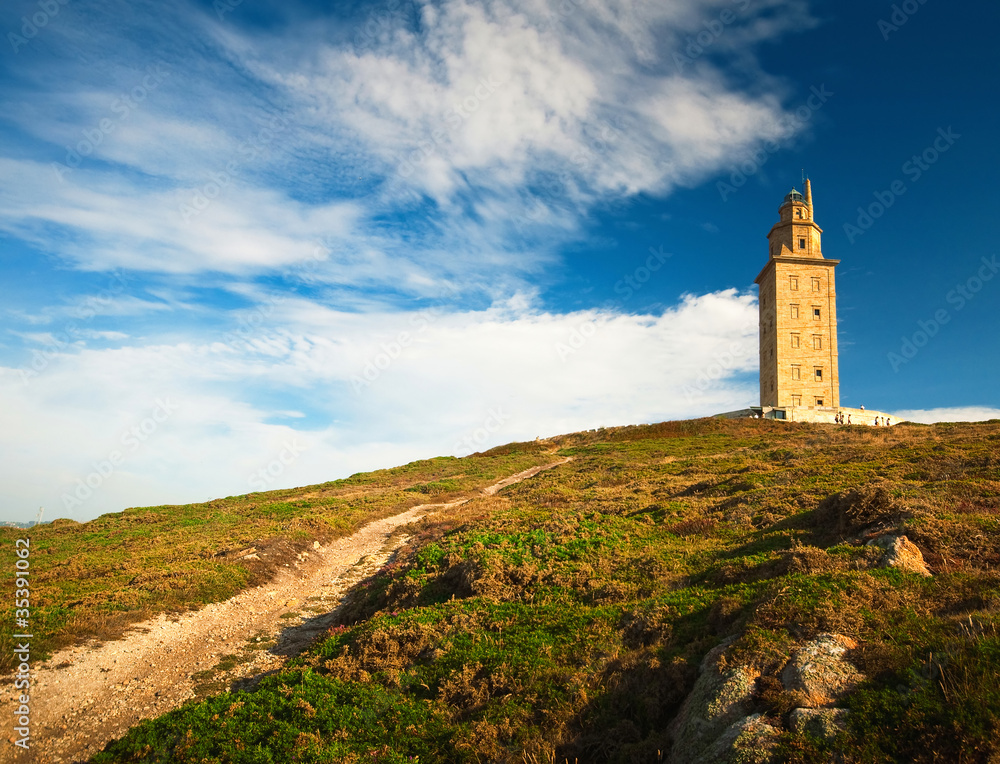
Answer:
x=568 y=618
x=93 y=580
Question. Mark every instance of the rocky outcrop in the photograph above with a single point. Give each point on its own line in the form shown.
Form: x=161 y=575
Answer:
x=818 y=675
x=751 y=740
x=722 y=696
x=899 y=552
x=721 y=721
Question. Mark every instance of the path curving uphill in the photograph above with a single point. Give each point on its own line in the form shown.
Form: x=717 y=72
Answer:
x=84 y=697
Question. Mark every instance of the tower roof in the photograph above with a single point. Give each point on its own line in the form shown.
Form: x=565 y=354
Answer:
x=794 y=196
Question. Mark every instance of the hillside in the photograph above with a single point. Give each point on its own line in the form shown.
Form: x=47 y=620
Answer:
x=687 y=591
x=93 y=580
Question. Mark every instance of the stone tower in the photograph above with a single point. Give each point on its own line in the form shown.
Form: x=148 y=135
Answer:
x=798 y=314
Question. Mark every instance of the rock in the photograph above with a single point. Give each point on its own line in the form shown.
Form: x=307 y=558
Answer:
x=824 y=723
x=751 y=740
x=899 y=552
x=818 y=673
x=315 y=545
x=722 y=696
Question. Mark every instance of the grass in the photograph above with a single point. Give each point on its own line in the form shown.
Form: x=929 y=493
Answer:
x=565 y=618
x=94 y=580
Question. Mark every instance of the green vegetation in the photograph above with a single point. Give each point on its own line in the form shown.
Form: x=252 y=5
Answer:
x=565 y=618
x=93 y=580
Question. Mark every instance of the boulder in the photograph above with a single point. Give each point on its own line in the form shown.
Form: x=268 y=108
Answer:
x=818 y=674
x=751 y=740
x=823 y=723
x=899 y=552
x=722 y=696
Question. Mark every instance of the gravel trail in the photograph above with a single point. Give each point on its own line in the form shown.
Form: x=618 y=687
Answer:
x=86 y=696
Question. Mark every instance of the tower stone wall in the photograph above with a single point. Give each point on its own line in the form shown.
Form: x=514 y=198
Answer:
x=798 y=313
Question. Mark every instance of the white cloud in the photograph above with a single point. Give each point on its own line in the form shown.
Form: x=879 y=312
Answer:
x=490 y=96
x=515 y=116
x=948 y=414
x=115 y=225
x=439 y=160
x=374 y=390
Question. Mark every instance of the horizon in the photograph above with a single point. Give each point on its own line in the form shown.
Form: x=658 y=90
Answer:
x=240 y=235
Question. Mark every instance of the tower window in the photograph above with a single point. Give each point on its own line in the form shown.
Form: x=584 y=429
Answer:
x=819 y=375
x=793 y=283
x=795 y=311
x=817 y=342
x=798 y=213
x=802 y=243
x=795 y=372
x=795 y=340
x=796 y=400
x=815 y=284
x=816 y=313
x=819 y=401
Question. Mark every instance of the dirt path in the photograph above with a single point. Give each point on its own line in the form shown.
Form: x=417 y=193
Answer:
x=84 y=697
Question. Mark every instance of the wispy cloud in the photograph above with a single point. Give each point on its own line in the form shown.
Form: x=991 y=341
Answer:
x=511 y=118
x=342 y=243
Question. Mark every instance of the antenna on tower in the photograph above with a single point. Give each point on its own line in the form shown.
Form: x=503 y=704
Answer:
x=803 y=176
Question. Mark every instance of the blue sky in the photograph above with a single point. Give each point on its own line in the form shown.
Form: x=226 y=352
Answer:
x=252 y=245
